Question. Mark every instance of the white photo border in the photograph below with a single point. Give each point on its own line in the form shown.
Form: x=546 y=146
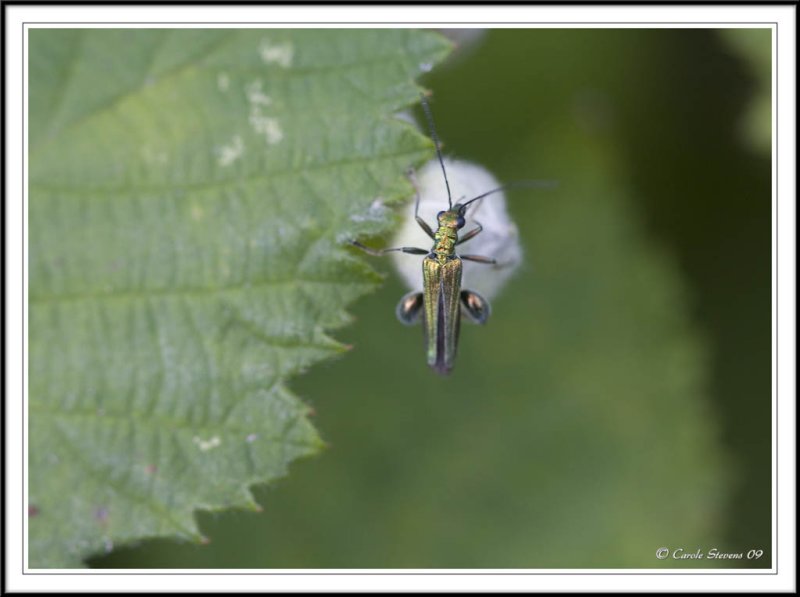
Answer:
x=781 y=18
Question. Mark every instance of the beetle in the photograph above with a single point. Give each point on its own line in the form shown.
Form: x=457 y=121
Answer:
x=442 y=300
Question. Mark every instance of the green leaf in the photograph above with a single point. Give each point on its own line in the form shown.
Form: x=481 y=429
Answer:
x=190 y=192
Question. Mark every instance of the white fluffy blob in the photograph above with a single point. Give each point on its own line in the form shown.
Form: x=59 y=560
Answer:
x=498 y=240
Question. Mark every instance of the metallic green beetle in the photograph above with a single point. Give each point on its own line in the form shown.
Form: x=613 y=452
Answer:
x=442 y=301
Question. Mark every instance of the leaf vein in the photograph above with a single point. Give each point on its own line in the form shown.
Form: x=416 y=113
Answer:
x=211 y=185
x=167 y=424
x=207 y=292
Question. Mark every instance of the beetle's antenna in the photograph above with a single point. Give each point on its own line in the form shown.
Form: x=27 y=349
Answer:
x=542 y=184
x=436 y=142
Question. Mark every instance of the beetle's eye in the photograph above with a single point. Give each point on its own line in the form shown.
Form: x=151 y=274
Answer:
x=439 y=215
x=461 y=221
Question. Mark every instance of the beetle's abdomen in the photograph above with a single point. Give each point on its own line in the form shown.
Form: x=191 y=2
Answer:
x=441 y=311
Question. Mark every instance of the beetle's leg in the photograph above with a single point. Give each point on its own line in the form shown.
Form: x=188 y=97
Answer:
x=379 y=252
x=471 y=234
x=479 y=259
x=422 y=223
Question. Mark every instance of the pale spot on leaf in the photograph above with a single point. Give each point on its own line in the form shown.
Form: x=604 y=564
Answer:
x=256 y=95
x=270 y=127
x=227 y=154
x=280 y=54
x=206 y=445
x=262 y=124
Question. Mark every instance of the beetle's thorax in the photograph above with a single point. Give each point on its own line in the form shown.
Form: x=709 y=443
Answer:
x=446 y=236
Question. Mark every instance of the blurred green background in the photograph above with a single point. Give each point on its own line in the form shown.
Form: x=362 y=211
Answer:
x=618 y=401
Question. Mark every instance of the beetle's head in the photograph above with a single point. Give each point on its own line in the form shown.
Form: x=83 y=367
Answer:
x=452 y=218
